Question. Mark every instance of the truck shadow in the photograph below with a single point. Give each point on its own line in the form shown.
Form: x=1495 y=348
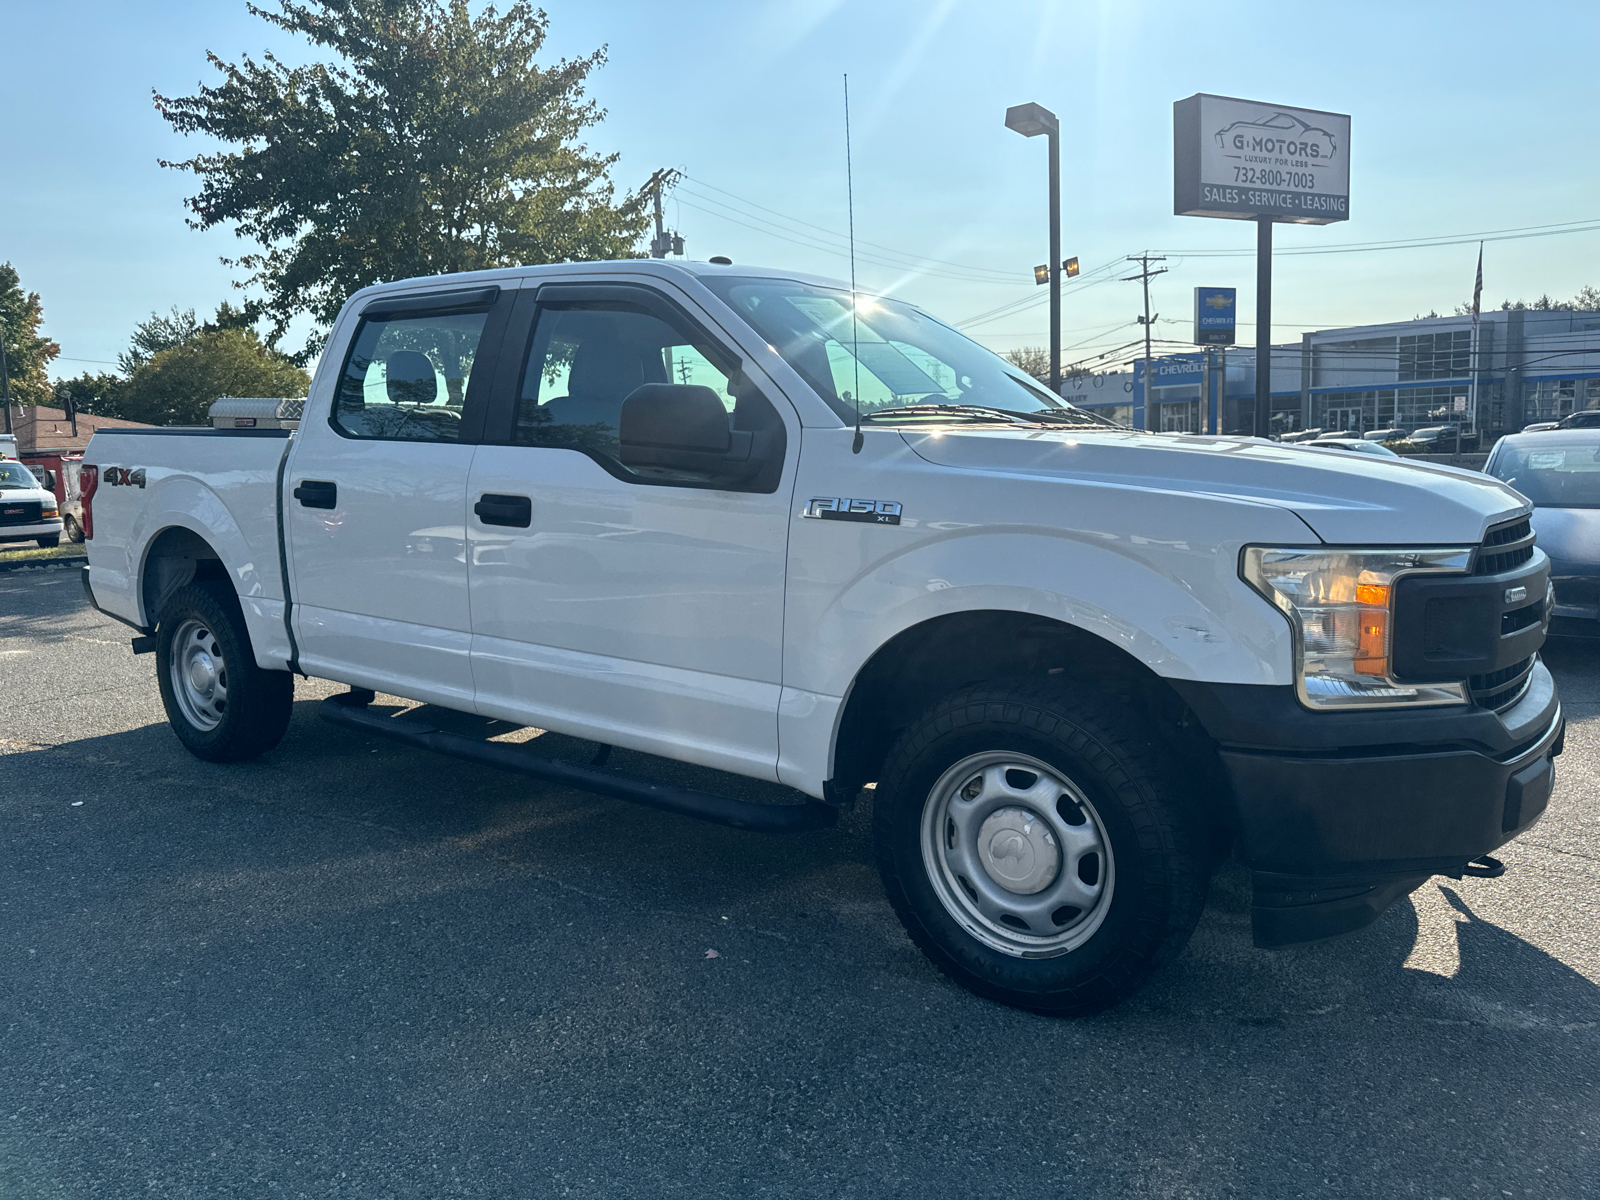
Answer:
x=367 y=936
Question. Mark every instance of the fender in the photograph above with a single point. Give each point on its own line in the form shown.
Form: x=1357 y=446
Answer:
x=1151 y=572
x=180 y=501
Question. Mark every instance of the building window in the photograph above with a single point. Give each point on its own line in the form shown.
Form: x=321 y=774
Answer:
x=1436 y=355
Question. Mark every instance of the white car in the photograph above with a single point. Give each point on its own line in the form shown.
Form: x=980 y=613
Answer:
x=28 y=512
x=744 y=519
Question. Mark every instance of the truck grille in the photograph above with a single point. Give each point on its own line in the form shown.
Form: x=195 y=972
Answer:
x=1505 y=548
x=23 y=512
x=1499 y=690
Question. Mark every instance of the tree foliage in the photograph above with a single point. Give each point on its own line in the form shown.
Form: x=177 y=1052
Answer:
x=1031 y=360
x=28 y=352
x=176 y=386
x=1587 y=300
x=93 y=392
x=431 y=142
x=157 y=334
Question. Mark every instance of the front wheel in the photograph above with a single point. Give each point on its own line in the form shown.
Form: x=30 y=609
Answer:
x=220 y=704
x=70 y=527
x=1035 y=848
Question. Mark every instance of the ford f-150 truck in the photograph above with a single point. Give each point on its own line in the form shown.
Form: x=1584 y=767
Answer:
x=745 y=519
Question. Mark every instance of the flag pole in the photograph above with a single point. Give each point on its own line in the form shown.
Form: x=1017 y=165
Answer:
x=1472 y=381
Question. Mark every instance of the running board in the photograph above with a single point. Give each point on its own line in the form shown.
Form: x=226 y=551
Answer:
x=348 y=710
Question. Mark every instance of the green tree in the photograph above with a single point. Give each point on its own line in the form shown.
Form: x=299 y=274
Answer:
x=1031 y=360
x=176 y=386
x=93 y=392
x=431 y=142
x=157 y=334
x=28 y=352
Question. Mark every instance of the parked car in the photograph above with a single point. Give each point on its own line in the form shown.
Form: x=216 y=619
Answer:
x=1075 y=659
x=1559 y=472
x=1443 y=439
x=1541 y=426
x=1354 y=446
x=1588 y=418
x=1334 y=435
x=1383 y=435
x=28 y=512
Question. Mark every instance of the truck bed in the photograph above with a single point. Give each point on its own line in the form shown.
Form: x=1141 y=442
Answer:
x=219 y=485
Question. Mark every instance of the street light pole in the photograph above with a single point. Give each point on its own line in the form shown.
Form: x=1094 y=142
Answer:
x=1030 y=120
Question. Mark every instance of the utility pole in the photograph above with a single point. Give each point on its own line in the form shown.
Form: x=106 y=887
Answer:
x=1144 y=276
x=663 y=243
x=5 y=377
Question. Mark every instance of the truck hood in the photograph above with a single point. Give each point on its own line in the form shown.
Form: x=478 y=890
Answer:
x=1345 y=498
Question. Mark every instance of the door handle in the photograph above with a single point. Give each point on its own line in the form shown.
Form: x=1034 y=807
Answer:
x=317 y=493
x=516 y=511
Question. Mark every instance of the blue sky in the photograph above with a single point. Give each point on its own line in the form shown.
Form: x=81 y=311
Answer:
x=1466 y=117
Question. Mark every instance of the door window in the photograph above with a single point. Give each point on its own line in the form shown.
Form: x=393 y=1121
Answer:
x=589 y=357
x=408 y=377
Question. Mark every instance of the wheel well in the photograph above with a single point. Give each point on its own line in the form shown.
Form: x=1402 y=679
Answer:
x=919 y=666
x=176 y=558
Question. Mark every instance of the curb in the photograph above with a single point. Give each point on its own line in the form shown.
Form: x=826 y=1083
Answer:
x=43 y=564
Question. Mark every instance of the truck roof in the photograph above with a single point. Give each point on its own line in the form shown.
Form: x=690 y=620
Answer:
x=657 y=267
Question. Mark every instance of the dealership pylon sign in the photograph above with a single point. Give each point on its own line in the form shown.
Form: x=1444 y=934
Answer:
x=1243 y=159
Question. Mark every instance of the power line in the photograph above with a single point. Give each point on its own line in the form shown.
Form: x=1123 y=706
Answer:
x=1455 y=239
x=1000 y=276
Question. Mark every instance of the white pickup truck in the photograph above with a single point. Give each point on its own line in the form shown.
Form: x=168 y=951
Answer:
x=727 y=516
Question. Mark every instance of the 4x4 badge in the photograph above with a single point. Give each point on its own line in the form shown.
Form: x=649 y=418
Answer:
x=841 y=508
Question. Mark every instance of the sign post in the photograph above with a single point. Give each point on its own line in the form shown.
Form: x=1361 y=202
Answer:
x=1245 y=160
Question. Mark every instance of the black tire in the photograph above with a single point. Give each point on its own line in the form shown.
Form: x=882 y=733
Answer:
x=70 y=527
x=248 y=713
x=49 y=543
x=1150 y=875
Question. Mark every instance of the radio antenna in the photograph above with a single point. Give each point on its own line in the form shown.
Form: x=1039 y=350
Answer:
x=850 y=195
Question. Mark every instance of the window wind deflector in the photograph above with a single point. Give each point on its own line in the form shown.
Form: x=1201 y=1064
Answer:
x=456 y=300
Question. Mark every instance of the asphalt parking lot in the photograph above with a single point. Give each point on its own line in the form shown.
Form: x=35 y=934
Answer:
x=351 y=969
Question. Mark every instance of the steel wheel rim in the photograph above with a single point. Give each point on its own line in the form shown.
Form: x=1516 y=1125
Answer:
x=973 y=846
x=199 y=675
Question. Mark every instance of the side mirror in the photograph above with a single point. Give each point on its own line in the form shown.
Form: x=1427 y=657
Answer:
x=684 y=427
x=47 y=479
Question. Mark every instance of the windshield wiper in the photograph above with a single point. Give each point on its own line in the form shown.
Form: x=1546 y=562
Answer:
x=971 y=412
x=984 y=412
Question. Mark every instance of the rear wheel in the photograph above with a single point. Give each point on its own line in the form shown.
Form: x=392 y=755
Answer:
x=49 y=543
x=1034 y=848
x=220 y=704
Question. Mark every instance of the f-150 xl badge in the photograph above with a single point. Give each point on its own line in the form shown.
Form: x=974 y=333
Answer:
x=840 y=508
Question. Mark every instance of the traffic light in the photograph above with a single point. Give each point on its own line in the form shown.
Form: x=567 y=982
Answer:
x=1070 y=267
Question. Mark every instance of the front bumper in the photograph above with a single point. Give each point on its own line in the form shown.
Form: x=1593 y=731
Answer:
x=27 y=533
x=1340 y=818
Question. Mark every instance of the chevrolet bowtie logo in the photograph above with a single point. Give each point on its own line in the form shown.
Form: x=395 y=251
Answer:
x=1216 y=301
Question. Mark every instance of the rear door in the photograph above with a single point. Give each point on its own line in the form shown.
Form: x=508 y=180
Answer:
x=642 y=607
x=376 y=506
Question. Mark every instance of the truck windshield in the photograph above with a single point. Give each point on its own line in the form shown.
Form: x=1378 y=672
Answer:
x=902 y=364
x=15 y=475
x=1552 y=470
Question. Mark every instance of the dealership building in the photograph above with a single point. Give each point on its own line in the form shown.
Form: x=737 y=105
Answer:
x=1529 y=366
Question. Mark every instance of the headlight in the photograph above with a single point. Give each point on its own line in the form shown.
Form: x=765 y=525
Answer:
x=1340 y=604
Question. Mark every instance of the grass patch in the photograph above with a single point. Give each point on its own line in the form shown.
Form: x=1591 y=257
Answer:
x=31 y=552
